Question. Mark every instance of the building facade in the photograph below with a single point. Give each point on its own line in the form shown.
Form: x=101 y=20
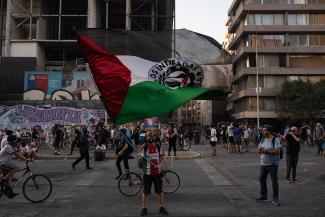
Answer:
x=41 y=62
x=278 y=39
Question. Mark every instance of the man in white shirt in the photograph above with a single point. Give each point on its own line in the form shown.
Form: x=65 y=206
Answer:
x=9 y=164
x=4 y=141
x=213 y=140
x=247 y=136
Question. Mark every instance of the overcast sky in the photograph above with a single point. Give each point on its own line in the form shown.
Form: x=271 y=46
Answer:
x=204 y=16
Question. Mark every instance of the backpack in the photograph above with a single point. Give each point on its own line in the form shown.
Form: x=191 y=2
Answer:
x=273 y=144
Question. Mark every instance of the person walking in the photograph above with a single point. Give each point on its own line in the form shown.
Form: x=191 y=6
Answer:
x=319 y=135
x=83 y=150
x=213 y=140
x=238 y=135
x=230 y=135
x=247 y=136
x=172 y=140
x=122 y=152
x=75 y=142
x=292 y=153
x=269 y=149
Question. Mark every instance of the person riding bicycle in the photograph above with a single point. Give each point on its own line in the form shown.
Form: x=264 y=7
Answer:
x=10 y=165
x=153 y=160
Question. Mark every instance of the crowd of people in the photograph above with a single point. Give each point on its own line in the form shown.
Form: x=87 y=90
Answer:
x=234 y=137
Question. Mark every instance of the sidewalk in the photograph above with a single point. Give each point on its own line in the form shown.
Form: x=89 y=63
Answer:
x=44 y=153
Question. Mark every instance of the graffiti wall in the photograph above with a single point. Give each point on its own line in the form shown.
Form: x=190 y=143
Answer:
x=52 y=85
x=29 y=116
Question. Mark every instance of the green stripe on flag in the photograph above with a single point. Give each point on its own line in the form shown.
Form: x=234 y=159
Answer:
x=150 y=99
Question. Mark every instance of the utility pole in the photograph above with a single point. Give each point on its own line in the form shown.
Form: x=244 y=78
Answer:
x=257 y=86
x=106 y=1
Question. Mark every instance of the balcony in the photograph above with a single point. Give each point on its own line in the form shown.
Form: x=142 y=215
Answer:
x=273 y=29
x=278 y=71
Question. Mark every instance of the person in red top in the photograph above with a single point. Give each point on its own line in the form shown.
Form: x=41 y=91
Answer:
x=154 y=159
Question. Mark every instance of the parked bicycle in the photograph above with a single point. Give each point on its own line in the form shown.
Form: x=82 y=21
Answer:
x=184 y=143
x=36 y=188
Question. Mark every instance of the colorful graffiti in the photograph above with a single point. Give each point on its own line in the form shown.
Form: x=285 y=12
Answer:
x=29 y=116
x=54 y=86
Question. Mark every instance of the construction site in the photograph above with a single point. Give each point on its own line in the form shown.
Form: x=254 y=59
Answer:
x=38 y=42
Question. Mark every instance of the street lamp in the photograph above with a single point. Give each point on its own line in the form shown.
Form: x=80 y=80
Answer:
x=106 y=1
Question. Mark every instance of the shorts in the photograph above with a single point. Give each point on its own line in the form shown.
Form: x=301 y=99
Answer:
x=213 y=143
x=147 y=183
x=238 y=142
x=231 y=139
x=11 y=164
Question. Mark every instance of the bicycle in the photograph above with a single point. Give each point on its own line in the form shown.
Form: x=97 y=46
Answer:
x=130 y=184
x=36 y=188
x=184 y=143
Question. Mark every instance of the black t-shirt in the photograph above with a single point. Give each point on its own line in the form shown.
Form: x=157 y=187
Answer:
x=293 y=147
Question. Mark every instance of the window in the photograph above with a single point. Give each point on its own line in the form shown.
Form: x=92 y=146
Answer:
x=297 y=1
x=307 y=61
x=265 y=19
x=298 y=40
x=298 y=19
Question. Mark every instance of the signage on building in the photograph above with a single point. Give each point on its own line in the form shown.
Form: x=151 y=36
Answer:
x=53 y=85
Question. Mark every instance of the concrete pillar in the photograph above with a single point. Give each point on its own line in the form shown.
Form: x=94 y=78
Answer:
x=153 y=17
x=92 y=14
x=8 y=29
x=128 y=15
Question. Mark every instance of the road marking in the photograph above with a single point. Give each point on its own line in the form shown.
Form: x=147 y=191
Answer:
x=215 y=176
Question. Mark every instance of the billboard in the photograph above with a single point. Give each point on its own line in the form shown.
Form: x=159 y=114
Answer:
x=46 y=81
x=54 y=85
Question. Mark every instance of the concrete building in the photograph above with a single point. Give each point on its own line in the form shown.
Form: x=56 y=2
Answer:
x=289 y=39
x=38 y=42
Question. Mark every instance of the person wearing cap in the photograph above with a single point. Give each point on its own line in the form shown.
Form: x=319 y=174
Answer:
x=319 y=136
x=292 y=153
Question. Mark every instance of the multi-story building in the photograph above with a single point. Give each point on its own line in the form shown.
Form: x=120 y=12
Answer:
x=41 y=62
x=278 y=39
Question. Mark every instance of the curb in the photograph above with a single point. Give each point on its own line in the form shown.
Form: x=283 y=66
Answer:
x=62 y=157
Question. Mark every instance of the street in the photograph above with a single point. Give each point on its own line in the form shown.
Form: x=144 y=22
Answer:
x=222 y=186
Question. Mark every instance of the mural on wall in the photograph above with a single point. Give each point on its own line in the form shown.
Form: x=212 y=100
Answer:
x=52 y=85
x=25 y=116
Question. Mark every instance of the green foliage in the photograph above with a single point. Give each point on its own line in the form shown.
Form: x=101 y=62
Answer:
x=301 y=100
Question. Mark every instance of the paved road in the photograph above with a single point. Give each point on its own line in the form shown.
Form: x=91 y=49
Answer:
x=223 y=186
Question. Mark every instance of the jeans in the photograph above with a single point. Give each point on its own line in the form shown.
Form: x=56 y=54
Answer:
x=292 y=161
x=172 y=144
x=273 y=171
x=84 y=154
x=125 y=158
x=319 y=146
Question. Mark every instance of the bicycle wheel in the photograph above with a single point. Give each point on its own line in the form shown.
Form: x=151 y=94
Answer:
x=37 y=188
x=67 y=144
x=130 y=184
x=186 y=145
x=171 y=182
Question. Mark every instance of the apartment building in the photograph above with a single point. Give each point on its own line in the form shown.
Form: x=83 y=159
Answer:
x=278 y=39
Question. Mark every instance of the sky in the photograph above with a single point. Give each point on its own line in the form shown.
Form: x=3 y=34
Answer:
x=204 y=16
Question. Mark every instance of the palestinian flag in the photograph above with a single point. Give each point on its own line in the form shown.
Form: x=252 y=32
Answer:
x=137 y=75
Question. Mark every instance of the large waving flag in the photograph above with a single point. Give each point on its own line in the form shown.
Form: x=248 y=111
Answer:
x=138 y=75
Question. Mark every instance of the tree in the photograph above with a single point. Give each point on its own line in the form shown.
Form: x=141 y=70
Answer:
x=301 y=100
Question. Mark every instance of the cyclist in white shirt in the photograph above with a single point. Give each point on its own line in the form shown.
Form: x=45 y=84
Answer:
x=10 y=165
